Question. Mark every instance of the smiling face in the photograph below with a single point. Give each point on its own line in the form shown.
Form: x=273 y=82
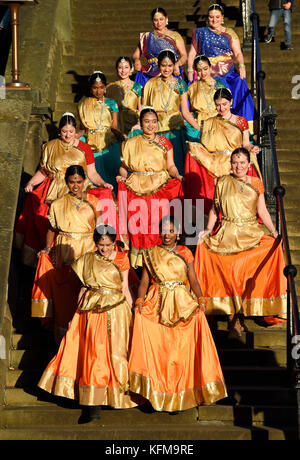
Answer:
x=166 y=68
x=75 y=184
x=149 y=124
x=239 y=165
x=105 y=246
x=124 y=70
x=159 y=21
x=68 y=133
x=223 y=106
x=98 y=90
x=215 y=19
x=203 y=70
x=168 y=234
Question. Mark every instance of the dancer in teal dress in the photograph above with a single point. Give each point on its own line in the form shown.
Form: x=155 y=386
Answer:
x=169 y=98
x=99 y=116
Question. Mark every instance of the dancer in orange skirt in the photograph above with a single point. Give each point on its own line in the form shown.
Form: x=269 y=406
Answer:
x=173 y=361
x=240 y=268
x=91 y=364
x=72 y=219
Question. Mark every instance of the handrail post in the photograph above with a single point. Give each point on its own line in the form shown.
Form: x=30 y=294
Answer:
x=247 y=24
x=254 y=18
x=267 y=118
x=14 y=7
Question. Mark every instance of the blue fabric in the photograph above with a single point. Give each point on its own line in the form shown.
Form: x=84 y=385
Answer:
x=287 y=23
x=111 y=103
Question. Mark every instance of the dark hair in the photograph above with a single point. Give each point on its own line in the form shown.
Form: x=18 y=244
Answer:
x=216 y=6
x=166 y=53
x=158 y=10
x=241 y=150
x=74 y=169
x=223 y=93
x=147 y=110
x=201 y=59
x=171 y=219
x=96 y=75
x=104 y=230
x=126 y=58
x=67 y=120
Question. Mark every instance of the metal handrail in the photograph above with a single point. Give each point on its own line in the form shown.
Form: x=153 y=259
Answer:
x=267 y=126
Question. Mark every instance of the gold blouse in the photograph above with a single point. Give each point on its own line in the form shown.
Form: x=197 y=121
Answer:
x=219 y=138
x=237 y=202
x=74 y=220
x=127 y=99
x=147 y=163
x=97 y=117
x=165 y=98
x=169 y=271
x=201 y=97
x=56 y=158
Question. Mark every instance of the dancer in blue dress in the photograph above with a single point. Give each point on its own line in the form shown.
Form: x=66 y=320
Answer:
x=152 y=43
x=221 y=44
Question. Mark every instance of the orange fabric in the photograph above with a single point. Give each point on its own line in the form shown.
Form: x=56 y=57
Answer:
x=171 y=366
x=249 y=282
x=83 y=368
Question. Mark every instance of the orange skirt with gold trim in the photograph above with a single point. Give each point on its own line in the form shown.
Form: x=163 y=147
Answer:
x=175 y=368
x=249 y=282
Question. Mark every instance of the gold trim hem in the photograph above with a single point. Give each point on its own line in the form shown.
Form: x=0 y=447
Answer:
x=248 y=307
x=204 y=395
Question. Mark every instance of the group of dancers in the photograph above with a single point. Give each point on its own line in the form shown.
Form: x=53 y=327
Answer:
x=129 y=303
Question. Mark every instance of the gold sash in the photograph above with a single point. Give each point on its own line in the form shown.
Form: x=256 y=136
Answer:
x=97 y=118
x=159 y=95
x=219 y=138
x=239 y=229
x=169 y=271
x=56 y=159
x=103 y=280
x=141 y=156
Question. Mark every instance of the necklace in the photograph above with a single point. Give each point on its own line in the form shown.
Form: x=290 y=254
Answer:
x=148 y=139
x=242 y=183
x=77 y=202
x=208 y=102
x=67 y=146
x=102 y=104
x=229 y=118
x=166 y=105
x=170 y=249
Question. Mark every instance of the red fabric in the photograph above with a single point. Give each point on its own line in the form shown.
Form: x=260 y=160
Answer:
x=89 y=156
x=165 y=142
x=201 y=185
x=142 y=217
x=242 y=123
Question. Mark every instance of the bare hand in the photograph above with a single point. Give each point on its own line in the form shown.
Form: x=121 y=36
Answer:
x=202 y=235
x=106 y=185
x=43 y=251
x=28 y=188
x=191 y=76
x=255 y=149
x=287 y=6
x=176 y=70
x=243 y=73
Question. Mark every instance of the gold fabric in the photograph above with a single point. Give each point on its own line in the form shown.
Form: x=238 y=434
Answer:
x=75 y=228
x=56 y=158
x=103 y=280
x=127 y=99
x=205 y=395
x=97 y=118
x=201 y=97
x=249 y=307
x=239 y=229
x=160 y=94
x=219 y=138
x=140 y=156
x=169 y=270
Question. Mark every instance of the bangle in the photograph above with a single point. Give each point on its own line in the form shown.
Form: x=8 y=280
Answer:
x=202 y=301
x=209 y=232
x=139 y=301
x=274 y=233
x=190 y=70
x=242 y=66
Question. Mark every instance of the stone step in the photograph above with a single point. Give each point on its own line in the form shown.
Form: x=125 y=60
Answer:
x=53 y=415
x=288 y=166
x=275 y=356
x=159 y=433
x=290 y=178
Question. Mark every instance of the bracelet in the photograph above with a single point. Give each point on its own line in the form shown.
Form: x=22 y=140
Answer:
x=139 y=301
x=190 y=70
x=209 y=232
x=242 y=66
x=202 y=301
x=275 y=233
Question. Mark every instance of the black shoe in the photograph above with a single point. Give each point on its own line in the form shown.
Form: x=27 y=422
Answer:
x=287 y=47
x=89 y=413
x=269 y=38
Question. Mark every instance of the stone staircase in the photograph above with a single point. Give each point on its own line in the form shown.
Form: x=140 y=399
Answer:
x=261 y=403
